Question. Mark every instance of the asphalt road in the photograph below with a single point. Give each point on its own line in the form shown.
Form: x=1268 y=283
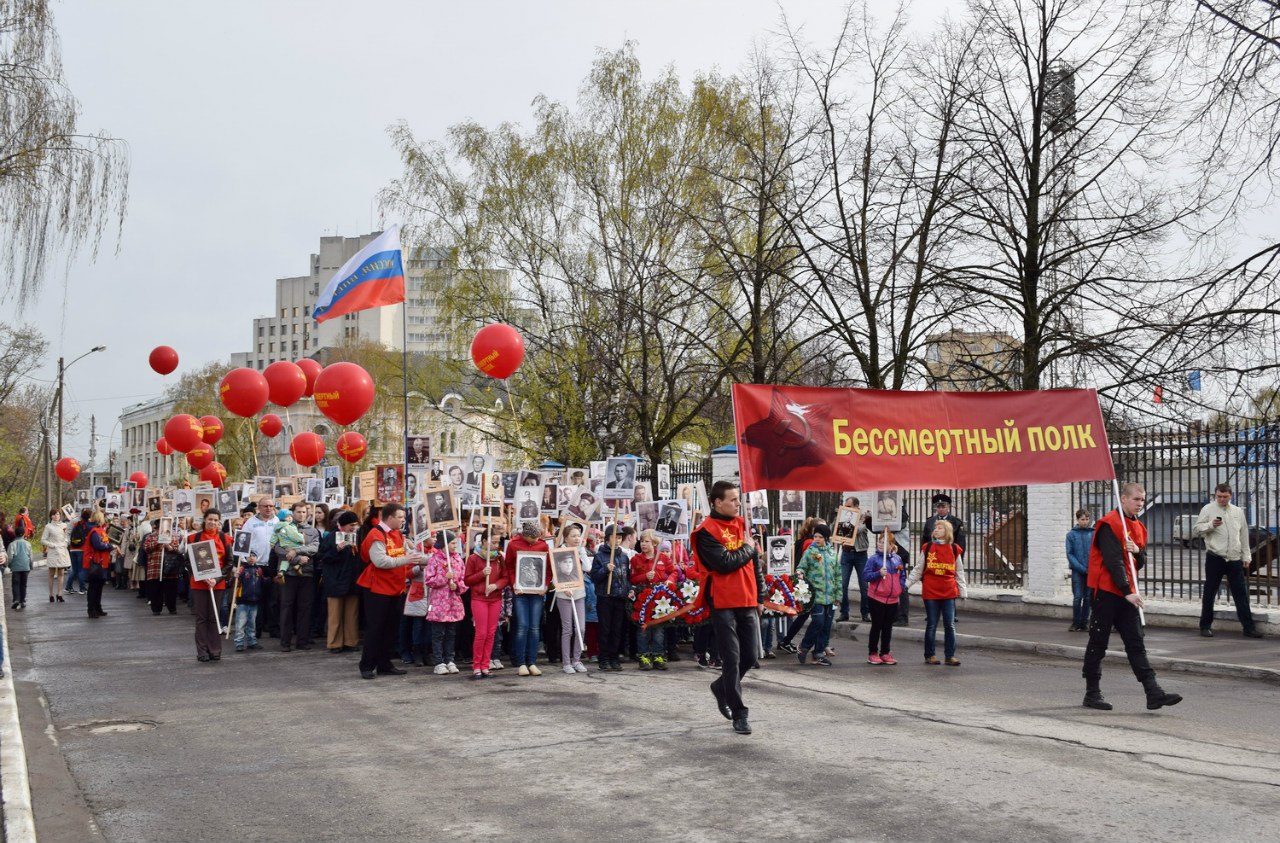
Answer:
x=130 y=739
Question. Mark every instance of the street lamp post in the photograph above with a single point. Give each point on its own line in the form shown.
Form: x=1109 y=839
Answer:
x=62 y=370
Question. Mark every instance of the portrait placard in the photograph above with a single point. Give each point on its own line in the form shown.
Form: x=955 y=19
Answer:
x=758 y=506
x=82 y=499
x=390 y=483
x=417 y=450
x=551 y=499
x=791 y=505
x=664 y=480
x=441 y=510
x=888 y=511
x=264 y=485
x=113 y=503
x=137 y=499
x=164 y=532
x=491 y=489
x=778 y=558
x=598 y=469
x=184 y=502
x=367 y=485
x=848 y=522
x=566 y=569
x=241 y=543
x=531 y=573
x=620 y=478
x=671 y=517
x=204 y=561
x=315 y=490
x=228 y=502
x=509 y=481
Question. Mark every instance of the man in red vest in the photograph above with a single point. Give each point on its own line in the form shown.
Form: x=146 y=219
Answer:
x=1118 y=538
x=734 y=592
x=383 y=580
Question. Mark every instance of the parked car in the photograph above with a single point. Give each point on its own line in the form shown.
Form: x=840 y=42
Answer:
x=1182 y=532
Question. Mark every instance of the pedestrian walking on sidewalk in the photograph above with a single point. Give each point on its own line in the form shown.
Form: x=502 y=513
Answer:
x=1226 y=542
x=1114 y=558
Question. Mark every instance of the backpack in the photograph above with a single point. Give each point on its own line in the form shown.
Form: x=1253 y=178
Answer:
x=78 y=534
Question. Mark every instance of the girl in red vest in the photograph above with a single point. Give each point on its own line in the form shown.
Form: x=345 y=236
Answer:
x=208 y=624
x=941 y=576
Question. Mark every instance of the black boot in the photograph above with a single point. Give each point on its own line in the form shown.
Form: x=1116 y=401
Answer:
x=1093 y=697
x=1157 y=697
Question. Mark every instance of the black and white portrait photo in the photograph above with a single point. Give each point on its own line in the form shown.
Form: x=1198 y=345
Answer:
x=528 y=503
x=670 y=514
x=551 y=499
x=778 y=556
x=620 y=478
x=241 y=543
x=284 y=487
x=228 y=503
x=584 y=505
x=887 y=514
x=204 y=560
x=113 y=503
x=646 y=516
x=412 y=483
x=791 y=505
x=758 y=506
x=263 y=485
x=664 y=481
x=509 y=480
x=442 y=510
x=491 y=489
x=531 y=573
x=847 y=523
x=477 y=465
x=184 y=502
x=315 y=490
x=417 y=450
x=566 y=569
x=332 y=477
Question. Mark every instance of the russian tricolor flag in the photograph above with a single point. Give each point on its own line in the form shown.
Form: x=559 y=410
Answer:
x=373 y=278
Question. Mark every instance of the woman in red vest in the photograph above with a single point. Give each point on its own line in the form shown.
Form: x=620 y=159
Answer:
x=97 y=561
x=941 y=576
x=208 y=624
x=383 y=549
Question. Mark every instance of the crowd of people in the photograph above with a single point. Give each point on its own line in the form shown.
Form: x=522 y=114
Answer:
x=349 y=577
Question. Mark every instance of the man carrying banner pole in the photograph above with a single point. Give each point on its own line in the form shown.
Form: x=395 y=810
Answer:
x=1115 y=556
x=735 y=593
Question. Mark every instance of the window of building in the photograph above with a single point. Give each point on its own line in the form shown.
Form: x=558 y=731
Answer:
x=284 y=311
x=271 y=347
x=273 y=330
x=295 y=313
x=262 y=331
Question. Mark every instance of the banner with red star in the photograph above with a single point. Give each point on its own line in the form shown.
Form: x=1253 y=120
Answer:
x=827 y=440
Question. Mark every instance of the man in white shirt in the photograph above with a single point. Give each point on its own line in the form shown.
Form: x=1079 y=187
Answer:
x=1226 y=543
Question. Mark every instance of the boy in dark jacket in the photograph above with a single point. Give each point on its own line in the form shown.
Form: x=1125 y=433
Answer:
x=1079 y=538
x=250 y=591
x=611 y=575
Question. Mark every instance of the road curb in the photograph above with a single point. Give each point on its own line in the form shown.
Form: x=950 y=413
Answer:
x=19 y=822
x=1066 y=651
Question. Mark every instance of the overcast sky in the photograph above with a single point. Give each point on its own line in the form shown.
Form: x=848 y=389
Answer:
x=257 y=127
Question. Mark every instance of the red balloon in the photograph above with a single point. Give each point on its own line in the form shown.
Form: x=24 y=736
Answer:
x=497 y=350
x=214 y=474
x=352 y=446
x=343 y=392
x=183 y=432
x=307 y=449
x=213 y=429
x=310 y=368
x=68 y=468
x=163 y=446
x=286 y=383
x=139 y=479
x=200 y=456
x=243 y=392
x=270 y=425
x=163 y=359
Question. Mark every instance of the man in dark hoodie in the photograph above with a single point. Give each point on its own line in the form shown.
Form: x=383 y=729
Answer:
x=734 y=591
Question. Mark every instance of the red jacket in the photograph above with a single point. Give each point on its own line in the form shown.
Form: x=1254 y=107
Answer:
x=735 y=589
x=641 y=565
x=473 y=576
x=519 y=544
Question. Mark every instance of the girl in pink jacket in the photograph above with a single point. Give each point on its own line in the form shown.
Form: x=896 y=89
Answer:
x=443 y=577
x=884 y=587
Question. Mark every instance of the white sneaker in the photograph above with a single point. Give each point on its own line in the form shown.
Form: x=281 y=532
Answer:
x=533 y=670
x=441 y=669
x=453 y=668
x=523 y=671
x=494 y=664
x=579 y=667
x=569 y=669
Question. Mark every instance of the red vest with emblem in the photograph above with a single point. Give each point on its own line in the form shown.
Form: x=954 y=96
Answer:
x=736 y=590
x=386 y=581
x=1099 y=576
x=938 y=581
x=101 y=558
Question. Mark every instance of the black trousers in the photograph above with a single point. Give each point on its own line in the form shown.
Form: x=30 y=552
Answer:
x=269 y=607
x=295 y=610
x=737 y=637
x=95 y=593
x=1215 y=568
x=382 y=627
x=880 y=640
x=164 y=595
x=19 y=580
x=1112 y=610
x=612 y=612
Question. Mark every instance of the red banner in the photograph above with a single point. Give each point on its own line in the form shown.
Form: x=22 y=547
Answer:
x=831 y=440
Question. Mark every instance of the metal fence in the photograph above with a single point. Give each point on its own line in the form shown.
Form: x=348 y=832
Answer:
x=1179 y=472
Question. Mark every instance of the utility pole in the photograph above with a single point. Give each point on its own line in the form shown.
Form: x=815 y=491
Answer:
x=93 y=448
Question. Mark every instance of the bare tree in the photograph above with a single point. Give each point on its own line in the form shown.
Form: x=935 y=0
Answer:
x=60 y=188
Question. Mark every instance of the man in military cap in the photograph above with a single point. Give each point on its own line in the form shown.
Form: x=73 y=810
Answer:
x=942 y=512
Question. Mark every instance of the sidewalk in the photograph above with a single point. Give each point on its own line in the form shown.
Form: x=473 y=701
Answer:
x=1228 y=653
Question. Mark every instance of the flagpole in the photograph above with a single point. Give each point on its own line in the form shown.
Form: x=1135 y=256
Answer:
x=404 y=319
